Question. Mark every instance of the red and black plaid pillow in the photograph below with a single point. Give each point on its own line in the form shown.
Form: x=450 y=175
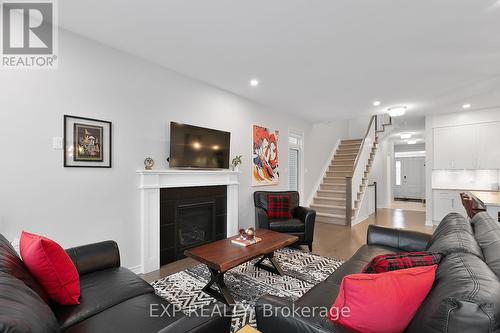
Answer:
x=394 y=261
x=278 y=207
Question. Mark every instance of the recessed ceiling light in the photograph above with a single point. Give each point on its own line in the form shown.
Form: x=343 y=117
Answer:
x=466 y=106
x=254 y=82
x=377 y=103
x=405 y=135
x=411 y=142
x=396 y=111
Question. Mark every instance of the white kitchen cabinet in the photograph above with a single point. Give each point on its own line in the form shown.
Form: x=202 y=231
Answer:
x=488 y=146
x=445 y=202
x=443 y=155
x=468 y=147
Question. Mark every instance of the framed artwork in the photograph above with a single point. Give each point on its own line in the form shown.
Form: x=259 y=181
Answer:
x=87 y=142
x=265 y=156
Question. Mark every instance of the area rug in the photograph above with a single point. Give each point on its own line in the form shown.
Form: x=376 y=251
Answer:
x=247 y=283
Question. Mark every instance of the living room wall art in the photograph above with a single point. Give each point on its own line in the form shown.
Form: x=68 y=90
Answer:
x=265 y=156
x=87 y=142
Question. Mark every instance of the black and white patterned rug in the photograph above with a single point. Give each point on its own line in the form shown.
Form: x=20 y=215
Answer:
x=247 y=283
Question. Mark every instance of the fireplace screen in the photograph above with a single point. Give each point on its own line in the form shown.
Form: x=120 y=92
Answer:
x=190 y=216
x=195 y=224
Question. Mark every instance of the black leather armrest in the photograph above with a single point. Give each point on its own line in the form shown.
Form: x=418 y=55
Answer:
x=202 y=321
x=405 y=240
x=94 y=257
x=261 y=218
x=275 y=314
x=308 y=216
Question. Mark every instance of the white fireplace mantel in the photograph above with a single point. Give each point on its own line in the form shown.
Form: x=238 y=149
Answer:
x=151 y=181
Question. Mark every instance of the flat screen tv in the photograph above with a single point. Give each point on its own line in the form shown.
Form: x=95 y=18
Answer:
x=198 y=147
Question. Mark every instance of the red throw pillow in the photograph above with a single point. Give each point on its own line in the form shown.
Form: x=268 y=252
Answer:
x=394 y=261
x=52 y=267
x=381 y=303
x=278 y=207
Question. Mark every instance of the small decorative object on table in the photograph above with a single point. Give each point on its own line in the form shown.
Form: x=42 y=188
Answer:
x=246 y=238
x=149 y=163
x=236 y=162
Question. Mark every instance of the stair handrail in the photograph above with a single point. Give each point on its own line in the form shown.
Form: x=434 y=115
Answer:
x=353 y=183
x=372 y=119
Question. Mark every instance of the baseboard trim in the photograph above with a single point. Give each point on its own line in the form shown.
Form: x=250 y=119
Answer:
x=359 y=219
x=137 y=269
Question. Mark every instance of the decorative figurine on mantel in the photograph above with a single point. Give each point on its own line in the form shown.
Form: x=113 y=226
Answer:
x=235 y=163
x=149 y=163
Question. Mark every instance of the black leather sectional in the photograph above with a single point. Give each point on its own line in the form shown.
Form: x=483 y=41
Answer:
x=113 y=299
x=465 y=297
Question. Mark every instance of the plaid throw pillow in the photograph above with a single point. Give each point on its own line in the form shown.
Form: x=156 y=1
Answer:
x=278 y=207
x=394 y=261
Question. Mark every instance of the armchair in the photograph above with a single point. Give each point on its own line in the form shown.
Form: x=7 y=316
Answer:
x=301 y=224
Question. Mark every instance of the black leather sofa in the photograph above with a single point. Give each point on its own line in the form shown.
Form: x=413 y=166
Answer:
x=465 y=296
x=301 y=224
x=113 y=299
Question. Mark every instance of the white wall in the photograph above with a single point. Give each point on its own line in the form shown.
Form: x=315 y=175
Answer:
x=357 y=127
x=77 y=205
x=452 y=119
x=320 y=145
x=381 y=173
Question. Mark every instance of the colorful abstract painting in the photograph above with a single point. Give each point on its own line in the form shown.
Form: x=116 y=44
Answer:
x=265 y=165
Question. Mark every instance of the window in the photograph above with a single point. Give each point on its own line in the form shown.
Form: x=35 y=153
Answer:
x=295 y=160
x=398 y=173
x=293 y=169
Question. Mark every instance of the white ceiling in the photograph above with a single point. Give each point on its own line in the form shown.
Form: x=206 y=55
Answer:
x=413 y=125
x=320 y=59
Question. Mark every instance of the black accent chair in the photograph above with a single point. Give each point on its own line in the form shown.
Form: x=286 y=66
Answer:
x=301 y=225
x=113 y=299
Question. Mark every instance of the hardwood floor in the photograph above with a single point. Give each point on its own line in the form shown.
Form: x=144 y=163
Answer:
x=408 y=205
x=331 y=240
x=341 y=242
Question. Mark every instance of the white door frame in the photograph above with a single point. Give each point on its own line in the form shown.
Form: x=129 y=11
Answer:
x=403 y=190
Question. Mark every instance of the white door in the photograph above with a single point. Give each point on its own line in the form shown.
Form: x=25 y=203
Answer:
x=410 y=178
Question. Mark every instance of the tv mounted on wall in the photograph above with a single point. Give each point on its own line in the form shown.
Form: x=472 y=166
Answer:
x=198 y=147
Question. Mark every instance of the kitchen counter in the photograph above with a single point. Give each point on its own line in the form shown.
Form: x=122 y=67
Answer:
x=490 y=198
x=462 y=189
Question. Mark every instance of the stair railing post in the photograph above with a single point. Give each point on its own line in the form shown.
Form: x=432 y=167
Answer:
x=348 y=201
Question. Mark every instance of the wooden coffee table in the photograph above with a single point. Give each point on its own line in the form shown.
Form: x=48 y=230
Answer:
x=222 y=255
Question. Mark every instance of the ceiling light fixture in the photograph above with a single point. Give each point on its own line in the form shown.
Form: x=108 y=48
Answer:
x=254 y=82
x=405 y=135
x=466 y=106
x=377 y=103
x=411 y=142
x=396 y=111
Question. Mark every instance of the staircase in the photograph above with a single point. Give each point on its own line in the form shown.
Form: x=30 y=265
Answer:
x=338 y=198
